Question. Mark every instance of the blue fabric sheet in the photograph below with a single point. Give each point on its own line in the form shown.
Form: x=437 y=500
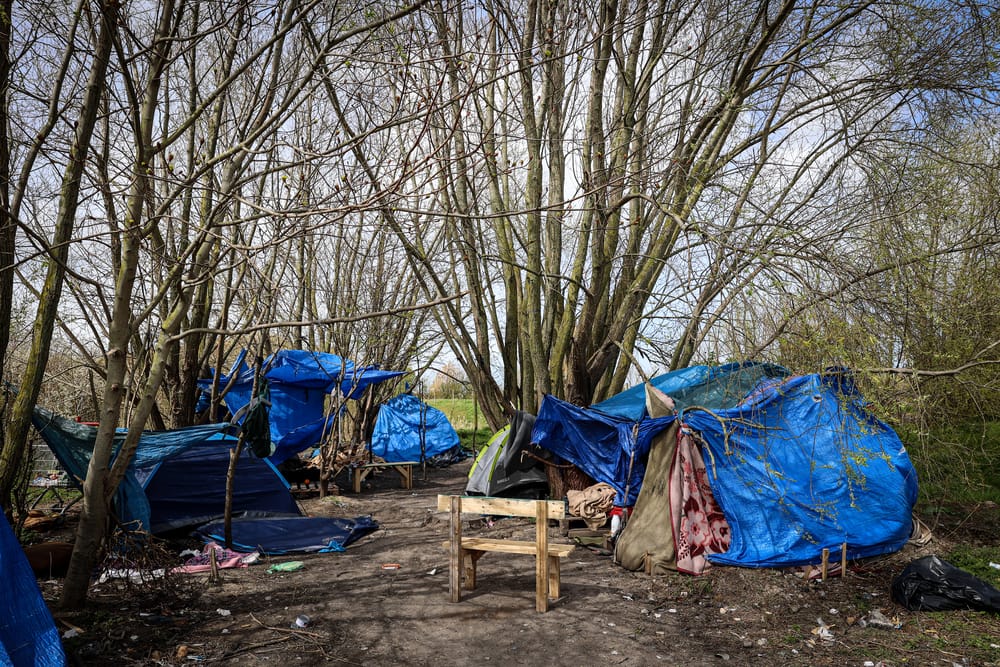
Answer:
x=285 y=535
x=28 y=635
x=300 y=382
x=72 y=443
x=802 y=466
x=610 y=449
x=403 y=421
x=712 y=387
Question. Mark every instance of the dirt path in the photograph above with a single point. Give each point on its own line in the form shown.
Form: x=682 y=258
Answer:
x=362 y=614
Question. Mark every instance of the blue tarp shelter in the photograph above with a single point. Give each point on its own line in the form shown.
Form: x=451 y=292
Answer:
x=189 y=488
x=286 y=535
x=28 y=635
x=407 y=427
x=797 y=464
x=72 y=443
x=300 y=382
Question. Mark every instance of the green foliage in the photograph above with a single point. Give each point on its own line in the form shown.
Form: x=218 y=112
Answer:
x=957 y=464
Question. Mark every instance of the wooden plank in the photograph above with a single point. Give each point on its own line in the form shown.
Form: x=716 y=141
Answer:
x=455 y=551
x=541 y=556
x=388 y=465
x=485 y=544
x=556 y=509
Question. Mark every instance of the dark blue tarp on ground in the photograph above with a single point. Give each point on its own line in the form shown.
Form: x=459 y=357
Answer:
x=28 y=635
x=712 y=387
x=300 y=382
x=285 y=535
x=403 y=422
x=610 y=449
x=802 y=466
x=189 y=488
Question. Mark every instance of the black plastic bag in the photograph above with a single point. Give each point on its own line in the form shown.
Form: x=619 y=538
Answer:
x=931 y=584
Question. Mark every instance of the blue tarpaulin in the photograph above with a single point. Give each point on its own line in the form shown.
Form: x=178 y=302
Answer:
x=28 y=636
x=300 y=382
x=712 y=387
x=189 y=488
x=284 y=535
x=407 y=427
x=610 y=449
x=72 y=443
x=802 y=466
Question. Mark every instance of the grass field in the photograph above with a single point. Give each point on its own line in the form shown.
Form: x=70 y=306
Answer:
x=461 y=412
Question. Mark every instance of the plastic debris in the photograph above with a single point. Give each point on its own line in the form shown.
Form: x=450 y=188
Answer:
x=290 y=566
x=931 y=584
x=223 y=612
x=876 y=619
x=302 y=621
x=822 y=631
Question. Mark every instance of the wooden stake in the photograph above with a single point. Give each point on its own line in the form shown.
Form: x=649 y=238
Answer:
x=843 y=560
x=825 y=564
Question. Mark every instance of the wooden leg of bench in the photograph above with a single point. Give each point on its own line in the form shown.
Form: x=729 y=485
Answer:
x=356 y=479
x=541 y=556
x=554 y=577
x=455 y=551
x=471 y=558
x=406 y=472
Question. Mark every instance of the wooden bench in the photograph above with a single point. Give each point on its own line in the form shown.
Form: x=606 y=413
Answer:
x=465 y=552
x=404 y=468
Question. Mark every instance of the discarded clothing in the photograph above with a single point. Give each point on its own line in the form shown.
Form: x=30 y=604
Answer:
x=592 y=504
x=224 y=558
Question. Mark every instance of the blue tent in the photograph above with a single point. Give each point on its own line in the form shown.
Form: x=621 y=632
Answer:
x=796 y=464
x=28 y=636
x=72 y=443
x=404 y=422
x=189 y=489
x=300 y=382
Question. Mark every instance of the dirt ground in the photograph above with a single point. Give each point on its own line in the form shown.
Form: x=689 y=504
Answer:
x=362 y=614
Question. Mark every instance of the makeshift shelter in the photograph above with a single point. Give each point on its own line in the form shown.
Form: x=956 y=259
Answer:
x=72 y=443
x=508 y=464
x=189 y=488
x=407 y=429
x=28 y=635
x=300 y=382
x=276 y=536
x=796 y=465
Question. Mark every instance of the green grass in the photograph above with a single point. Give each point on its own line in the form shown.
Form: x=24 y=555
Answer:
x=461 y=412
x=975 y=561
x=957 y=464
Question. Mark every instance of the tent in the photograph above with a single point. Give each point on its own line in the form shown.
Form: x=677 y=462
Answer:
x=796 y=465
x=28 y=635
x=189 y=489
x=407 y=429
x=72 y=443
x=502 y=469
x=300 y=382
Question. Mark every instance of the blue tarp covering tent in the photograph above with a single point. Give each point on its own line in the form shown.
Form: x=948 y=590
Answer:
x=800 y=466
x=189 y=489
x=28 y=635
x=284 y=535
x=797 y=466
x=300 y=382
x=712 y=387
x=609 y=449
x=72 y=443
x=406 y=426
